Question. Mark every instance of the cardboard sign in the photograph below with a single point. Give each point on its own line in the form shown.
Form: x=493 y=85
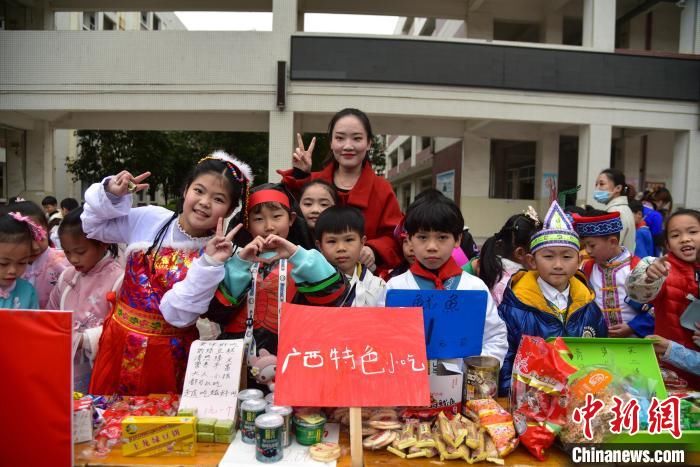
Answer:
x=37 y=394
x=453 y=319
x=351 y=357
x=213 y=378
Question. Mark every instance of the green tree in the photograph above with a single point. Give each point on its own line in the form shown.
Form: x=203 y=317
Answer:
x=168 y=155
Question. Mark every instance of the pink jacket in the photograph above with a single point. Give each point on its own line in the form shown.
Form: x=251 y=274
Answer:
x=43 y=273
x=86 y=294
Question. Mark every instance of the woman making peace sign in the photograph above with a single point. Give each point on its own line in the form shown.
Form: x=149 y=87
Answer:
x=349 y=171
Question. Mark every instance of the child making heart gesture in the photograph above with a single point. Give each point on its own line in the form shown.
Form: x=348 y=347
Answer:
x=174 y=262
x=252 y=292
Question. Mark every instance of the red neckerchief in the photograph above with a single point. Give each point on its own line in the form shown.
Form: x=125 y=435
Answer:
x=448 y=270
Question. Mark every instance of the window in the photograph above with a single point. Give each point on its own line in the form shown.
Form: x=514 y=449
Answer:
x=108 y=24
x=157 y=23
x=144 y=20
x=428 y=28
x=405 y=151
x=512 y=169
x=572 y=31
x=406 y=196
x=425 y=142
x=89 y=21
x=516 y=31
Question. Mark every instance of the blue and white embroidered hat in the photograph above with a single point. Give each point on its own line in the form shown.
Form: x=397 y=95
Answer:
x=598 y=226
x=558 y=230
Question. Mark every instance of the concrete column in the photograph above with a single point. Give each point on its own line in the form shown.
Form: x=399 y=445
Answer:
x=686 y=169
x=689 y=39
x=414 y=190
x=285 y=18
x=39 y=168
x=553 y=28
x=476 y=166
x=282 y=143
x=599 y=24
x=632 y=155
x=15 y=157
x=414 y=149
x=546 y=162
x=594 y=143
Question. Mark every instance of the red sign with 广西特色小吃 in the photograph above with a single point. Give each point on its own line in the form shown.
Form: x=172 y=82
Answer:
x=351 y=357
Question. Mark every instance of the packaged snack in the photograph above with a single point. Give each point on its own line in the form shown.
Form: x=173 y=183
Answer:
x=446 y=431
x=425 y=436
x=497 y=422
x=538 y=392
x=379 y=440
x=158 y=436
x=407 y=437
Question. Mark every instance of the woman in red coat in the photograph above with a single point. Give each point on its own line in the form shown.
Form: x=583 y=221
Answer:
x=349 y=171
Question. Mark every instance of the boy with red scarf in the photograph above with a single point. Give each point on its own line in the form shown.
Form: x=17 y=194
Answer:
x=434 y=226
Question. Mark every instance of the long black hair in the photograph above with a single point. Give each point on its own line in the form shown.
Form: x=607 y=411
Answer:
x=516 y=232
x=364 y=120
x=618 y=178
x=299 y=233
x=237 y=183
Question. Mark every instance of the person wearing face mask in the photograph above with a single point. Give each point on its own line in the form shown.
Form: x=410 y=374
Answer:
x=611 y=190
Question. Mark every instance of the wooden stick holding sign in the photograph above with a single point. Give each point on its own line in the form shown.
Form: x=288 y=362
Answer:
x=351 y=357
x=356 y=436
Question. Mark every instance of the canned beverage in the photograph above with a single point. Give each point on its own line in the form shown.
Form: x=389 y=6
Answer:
x=268 y=437
x=286 y=414
x=250 y=410
x=246 y=395
x=308 y=427
x=481 y=377
x=270 y=398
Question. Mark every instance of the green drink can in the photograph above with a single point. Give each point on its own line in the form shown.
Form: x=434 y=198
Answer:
x=268 y=438
x=250 y=410
x=286 y=413
x=308 y=427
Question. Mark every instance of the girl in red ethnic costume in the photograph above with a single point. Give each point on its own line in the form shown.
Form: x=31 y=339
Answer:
x=348 y=169
x=670 y=282
x=174 y=263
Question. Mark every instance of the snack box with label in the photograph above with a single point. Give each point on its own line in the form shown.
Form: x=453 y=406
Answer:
x=159 y=436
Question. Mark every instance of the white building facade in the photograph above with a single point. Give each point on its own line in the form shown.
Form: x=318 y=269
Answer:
x=490 y=84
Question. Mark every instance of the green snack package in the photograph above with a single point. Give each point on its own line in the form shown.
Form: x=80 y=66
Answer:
x=205 y=437
x=224 y=439
x=206 y=425
x=223 y=427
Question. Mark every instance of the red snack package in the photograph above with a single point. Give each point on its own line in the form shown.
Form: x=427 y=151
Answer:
x=539 y=392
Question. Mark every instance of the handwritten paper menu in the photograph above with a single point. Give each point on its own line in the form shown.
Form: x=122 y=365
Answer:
x=213 y=378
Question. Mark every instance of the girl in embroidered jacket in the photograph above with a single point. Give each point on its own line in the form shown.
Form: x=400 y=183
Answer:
x=46 y=263
x=87 y=288
x=17 y=233
x=275 y=247
x=174 y=262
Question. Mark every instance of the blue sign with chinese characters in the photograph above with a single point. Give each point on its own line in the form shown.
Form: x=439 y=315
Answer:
x=453 y=319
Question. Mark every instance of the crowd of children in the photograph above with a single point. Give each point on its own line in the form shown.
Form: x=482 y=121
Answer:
x=333 y=238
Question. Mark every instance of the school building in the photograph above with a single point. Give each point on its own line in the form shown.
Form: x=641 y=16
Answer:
x=497 y=103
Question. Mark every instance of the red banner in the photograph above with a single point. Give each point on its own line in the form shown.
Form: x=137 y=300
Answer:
x=351 y=357
x=36 y=393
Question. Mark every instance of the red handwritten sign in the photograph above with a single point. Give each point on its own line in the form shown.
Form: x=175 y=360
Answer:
x=37 y=394
x=351 y=357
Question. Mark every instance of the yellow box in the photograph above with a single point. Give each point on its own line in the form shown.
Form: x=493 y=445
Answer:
x=159 y=436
